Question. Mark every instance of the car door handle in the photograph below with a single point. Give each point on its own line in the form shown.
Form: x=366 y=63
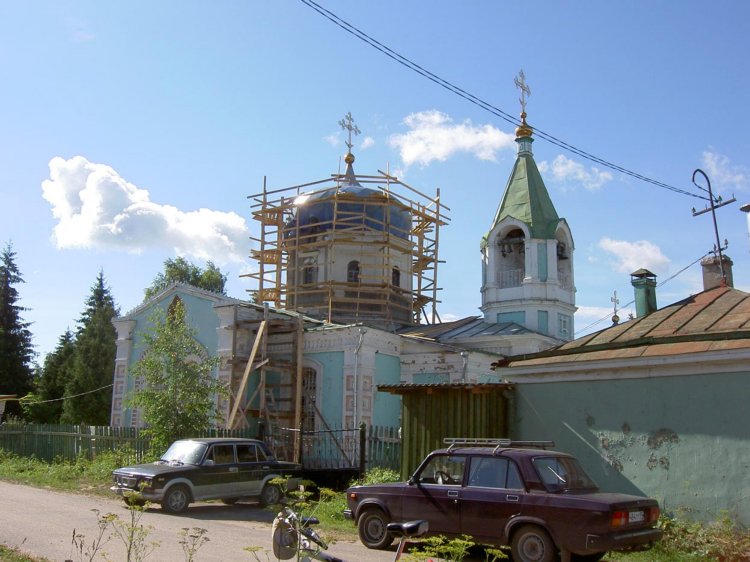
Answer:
x=233 y=469
x=511 y=498
x=452 y=493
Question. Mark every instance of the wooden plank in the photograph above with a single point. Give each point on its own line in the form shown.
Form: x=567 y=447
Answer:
x=246 y=374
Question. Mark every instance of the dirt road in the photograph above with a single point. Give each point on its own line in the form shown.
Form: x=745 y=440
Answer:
x=41 y=523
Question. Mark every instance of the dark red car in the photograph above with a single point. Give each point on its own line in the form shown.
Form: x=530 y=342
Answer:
x=539 y=502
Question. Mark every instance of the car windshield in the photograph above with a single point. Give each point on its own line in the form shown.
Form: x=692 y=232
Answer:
x=562 y=474
x=188 y=452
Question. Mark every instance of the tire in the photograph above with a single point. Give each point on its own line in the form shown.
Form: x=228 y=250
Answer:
x=371 y=528
x=270 y=495
x=176 y=500
x=533 y=544
x=229 y=501
x=587 y=557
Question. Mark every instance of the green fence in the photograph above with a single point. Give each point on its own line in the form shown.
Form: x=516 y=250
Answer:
x=69 y=442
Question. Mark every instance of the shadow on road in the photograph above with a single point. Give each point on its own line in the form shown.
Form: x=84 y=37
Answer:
x=217 y=511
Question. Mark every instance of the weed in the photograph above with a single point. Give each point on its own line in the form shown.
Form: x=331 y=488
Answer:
x=191 y=540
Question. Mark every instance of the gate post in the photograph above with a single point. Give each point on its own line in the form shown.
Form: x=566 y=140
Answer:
x=298 y=442
x=362 y=448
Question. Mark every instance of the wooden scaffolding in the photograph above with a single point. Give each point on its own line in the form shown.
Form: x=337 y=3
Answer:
x=283 y=246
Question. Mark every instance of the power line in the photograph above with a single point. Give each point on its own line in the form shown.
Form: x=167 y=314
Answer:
x=23 y=399
x=667 y=280
x=413 y=66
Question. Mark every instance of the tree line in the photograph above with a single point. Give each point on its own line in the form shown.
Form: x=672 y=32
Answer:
x=73 y=385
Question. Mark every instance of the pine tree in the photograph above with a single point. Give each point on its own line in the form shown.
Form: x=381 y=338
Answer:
x=88 y=391
x=50 y=382
x=16 y=349
x=179 y=393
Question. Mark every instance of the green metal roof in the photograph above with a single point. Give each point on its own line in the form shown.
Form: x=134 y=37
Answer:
x=527 y=200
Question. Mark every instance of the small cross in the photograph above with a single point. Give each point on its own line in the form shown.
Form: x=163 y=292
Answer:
x=615 y=317
x=520 y=82
x=615 y=301
x=347 y=123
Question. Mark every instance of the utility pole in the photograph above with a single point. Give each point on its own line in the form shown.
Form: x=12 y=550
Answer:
x=715 y=203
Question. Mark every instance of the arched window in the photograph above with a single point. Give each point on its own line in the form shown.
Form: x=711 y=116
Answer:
x=352 y=272
x=396 y=277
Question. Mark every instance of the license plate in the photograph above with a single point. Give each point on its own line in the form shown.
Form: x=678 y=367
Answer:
x=636 y=517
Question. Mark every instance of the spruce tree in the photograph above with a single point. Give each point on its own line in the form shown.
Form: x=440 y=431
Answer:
x=16 y=349
x=51 y=380
x=88 y=391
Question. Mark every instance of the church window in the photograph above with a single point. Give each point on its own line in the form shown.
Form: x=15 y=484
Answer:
x=564 y=326
x=309 y=396
x=309 y=274
x=352 y=272
x=396 y=277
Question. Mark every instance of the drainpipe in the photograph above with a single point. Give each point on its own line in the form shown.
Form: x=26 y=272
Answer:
x=362 y=332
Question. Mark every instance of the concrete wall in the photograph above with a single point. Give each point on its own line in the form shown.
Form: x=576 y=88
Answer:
x=684 y=440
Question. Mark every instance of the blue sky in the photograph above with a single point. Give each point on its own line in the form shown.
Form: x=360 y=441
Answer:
x=132 y=132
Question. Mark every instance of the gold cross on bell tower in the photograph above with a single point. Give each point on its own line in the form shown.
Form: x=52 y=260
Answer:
x=520 y=82
x=347 y=123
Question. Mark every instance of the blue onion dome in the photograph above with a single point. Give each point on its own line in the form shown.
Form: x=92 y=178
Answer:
x=355 y=206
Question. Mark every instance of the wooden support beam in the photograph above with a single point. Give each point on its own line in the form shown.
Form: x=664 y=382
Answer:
x=246 y=374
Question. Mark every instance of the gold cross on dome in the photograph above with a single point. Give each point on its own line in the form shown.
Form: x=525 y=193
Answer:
x=347 y=123
x=520 y=82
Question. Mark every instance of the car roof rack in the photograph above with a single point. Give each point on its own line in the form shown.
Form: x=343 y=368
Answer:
x=454 y=442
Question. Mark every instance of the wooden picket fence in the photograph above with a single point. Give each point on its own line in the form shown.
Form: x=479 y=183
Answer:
x=322 y=449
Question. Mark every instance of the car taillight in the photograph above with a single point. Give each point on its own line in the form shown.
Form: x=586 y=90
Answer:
x=619 y=519
x=653 y=514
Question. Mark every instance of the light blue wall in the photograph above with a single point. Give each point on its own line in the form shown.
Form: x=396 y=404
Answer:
x=542 y=260
x=331 y=381
x=387 y=406
x=200 y=316
x=683 y=440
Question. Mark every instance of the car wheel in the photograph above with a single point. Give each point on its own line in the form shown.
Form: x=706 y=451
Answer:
x=270 y=495
x=176 y=500
x=532 y=544
x=587 y=557
x=372 y=531
x=229 y=501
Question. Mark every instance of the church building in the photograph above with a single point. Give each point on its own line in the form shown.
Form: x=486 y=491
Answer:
x=346 y=300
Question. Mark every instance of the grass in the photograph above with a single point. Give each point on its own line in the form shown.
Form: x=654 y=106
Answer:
x=13 y=554
x=721 y=541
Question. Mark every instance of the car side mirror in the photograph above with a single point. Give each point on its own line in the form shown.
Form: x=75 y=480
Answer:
x=208 y=462
x=411 y=481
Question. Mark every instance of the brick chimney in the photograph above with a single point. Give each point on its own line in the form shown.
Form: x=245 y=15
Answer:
x=712 y=271
x=644 y=284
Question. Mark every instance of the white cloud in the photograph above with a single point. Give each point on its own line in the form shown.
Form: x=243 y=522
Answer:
x=96 y=208
x=333 y=139
x=631 y=256
x=366 y=143
x=433 y=136
x=564 y=169
x=722 y=173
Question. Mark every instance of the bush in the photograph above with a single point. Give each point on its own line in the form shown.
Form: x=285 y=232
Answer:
x=721 y=540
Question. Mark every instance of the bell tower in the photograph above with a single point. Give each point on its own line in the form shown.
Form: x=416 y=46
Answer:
x=527 y=255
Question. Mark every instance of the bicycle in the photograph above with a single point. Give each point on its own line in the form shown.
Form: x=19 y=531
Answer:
x=292 y=535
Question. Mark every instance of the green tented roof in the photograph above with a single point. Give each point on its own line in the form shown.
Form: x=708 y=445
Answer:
x=526 y=199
